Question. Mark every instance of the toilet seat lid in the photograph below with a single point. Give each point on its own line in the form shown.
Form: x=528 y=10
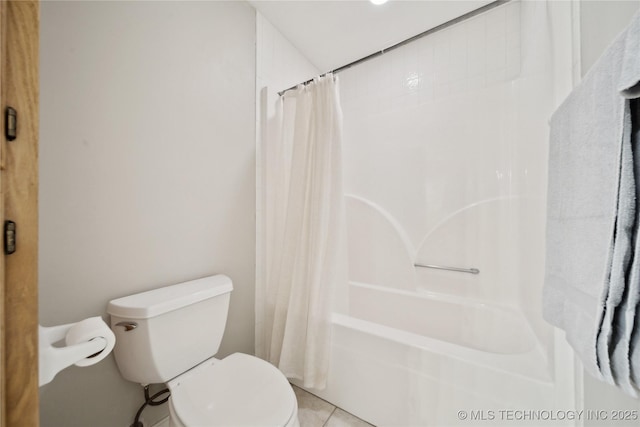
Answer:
x=239 y=390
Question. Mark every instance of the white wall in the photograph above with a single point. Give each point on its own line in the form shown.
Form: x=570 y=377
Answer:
x=279 y=64
x=147 y=172
x=600 y=23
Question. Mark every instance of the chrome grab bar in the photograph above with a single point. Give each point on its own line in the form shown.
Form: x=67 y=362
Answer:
x=439 y=267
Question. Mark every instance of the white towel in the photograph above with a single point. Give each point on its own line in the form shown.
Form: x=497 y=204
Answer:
x=624 y=320
x=591 y=214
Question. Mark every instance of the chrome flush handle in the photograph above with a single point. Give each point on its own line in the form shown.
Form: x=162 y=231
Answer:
x=128 y=326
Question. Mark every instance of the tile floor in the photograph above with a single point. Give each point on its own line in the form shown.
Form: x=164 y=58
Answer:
x=315 y=412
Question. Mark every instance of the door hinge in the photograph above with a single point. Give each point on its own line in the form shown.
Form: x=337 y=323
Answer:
x=9 y=237
x=11 y=123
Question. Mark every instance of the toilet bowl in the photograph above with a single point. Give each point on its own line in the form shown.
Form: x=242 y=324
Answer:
x=239 y=390
x=170 y=335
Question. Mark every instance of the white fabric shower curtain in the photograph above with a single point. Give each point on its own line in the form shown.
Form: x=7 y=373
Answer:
x=303 y=232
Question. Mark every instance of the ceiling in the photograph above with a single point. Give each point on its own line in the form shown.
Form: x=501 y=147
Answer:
x=333 y=33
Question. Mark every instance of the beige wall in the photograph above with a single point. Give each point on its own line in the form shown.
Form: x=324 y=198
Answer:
x=147 y=166
x=600 y=23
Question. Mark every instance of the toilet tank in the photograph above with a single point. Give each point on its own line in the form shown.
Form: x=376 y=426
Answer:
x=167 y=331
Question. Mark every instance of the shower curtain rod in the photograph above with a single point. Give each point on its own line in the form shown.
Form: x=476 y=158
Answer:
x=440 y=27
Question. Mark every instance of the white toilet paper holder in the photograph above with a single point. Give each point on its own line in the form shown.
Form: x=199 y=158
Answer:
x=54 y=359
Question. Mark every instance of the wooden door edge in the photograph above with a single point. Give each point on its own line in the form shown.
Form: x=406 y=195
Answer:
x=20 y=89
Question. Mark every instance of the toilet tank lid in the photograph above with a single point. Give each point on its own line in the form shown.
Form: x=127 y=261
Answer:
x=163 y=300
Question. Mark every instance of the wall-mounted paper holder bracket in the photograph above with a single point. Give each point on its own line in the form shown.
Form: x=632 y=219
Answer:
x=53 y=359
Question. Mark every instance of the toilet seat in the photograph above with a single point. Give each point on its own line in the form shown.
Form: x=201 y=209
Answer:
x=239 y=390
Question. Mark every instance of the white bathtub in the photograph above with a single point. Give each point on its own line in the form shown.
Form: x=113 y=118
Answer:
x=464 y=322
x=412 y=359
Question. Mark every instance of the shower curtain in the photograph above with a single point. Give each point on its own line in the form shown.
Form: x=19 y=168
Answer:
x=302 y=232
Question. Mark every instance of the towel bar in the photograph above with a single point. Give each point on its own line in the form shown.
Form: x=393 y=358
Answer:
x=440 y=267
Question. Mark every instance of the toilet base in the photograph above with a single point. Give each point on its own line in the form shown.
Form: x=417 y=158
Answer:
x=174 y=421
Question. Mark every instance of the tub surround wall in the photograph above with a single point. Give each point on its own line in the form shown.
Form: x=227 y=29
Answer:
x=429 y=134
x=445 y=164
x=445 y=157
x=147 y=173
x=445 y=150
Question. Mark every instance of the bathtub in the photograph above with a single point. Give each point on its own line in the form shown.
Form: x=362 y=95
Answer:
x=464 y=322
x=402 y=358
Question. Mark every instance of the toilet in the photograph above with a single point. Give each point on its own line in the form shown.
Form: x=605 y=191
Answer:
x=170 y=335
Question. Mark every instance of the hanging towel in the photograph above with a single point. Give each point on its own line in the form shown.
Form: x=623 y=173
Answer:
x=626 y=351
x=591 y=213
x=621 y=253
x=631 y=311
x=624 y=321
x=617 y=331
